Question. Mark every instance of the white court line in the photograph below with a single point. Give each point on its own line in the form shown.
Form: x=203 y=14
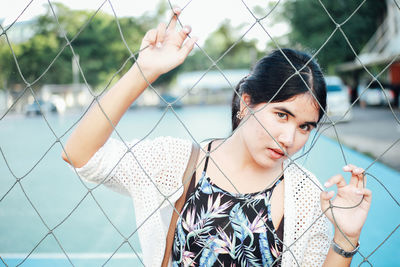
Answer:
x=70 y=255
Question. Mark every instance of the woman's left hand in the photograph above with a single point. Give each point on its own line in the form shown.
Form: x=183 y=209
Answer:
x=351 y=204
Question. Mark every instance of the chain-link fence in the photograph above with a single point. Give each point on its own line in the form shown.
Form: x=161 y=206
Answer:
x=51 y=228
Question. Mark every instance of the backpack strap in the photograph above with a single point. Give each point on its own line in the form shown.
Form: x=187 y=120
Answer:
x=190 y=169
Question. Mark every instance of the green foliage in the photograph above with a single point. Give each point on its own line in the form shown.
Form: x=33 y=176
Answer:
x=5 y=62
x=311 y=27
x=242 y=55
x=101 y=50
x=98 y=44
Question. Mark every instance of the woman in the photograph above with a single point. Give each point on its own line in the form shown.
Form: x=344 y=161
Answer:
x=266 y=200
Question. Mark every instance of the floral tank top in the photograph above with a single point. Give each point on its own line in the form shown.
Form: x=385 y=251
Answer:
x=219 y=228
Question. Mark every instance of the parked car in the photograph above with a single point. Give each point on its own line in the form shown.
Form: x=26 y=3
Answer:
x=46 y=107
x=338 y=100
x=374 y=95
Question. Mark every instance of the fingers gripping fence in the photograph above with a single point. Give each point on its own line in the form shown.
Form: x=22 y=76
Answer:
x=214 y=63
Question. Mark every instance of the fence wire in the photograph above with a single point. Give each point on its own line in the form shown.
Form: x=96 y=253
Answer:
x=213 y=63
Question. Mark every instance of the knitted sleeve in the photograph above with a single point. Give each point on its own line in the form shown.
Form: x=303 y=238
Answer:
x=319 y=236
x=134 y=167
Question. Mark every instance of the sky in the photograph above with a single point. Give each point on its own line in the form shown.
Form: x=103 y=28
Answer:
x=204 y=16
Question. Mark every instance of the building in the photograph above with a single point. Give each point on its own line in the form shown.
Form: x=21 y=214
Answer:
x=20 y=31
x=208 y=87
x=65 y=96
x=383 y=49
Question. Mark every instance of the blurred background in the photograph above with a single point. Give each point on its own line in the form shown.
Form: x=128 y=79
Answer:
x=362 y=54
x=45 y=90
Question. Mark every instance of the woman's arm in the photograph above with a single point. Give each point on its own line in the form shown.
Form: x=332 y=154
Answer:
x=162 y=49
x=348 y=222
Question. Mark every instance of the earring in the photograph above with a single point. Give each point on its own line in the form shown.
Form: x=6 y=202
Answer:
x=239 y=115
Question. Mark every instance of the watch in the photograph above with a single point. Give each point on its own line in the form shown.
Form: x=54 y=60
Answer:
x=342 y=252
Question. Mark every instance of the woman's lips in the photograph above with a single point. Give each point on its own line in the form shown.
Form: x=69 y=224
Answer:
x=276 y=153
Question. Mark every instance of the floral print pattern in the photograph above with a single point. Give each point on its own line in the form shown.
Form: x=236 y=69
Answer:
x=218 y=228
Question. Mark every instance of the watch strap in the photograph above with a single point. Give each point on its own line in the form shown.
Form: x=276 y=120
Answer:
x=342 y=252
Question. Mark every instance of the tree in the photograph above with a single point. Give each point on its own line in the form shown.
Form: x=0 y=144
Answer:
x=102 y=51
x=242 y=55
x=98 y=44
x=311 y=26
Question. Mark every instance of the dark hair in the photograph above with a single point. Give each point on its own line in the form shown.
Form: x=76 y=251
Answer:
x=274 y=79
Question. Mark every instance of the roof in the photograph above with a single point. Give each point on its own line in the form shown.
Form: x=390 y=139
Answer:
x=384 y=45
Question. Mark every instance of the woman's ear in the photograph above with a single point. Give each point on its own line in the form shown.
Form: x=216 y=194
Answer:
x=245 y=98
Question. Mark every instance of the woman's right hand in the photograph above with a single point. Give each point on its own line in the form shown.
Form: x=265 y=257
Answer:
x=163 y=49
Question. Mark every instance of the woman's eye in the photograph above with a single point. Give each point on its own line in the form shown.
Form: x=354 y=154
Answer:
x=281 y=115
x=305 y=127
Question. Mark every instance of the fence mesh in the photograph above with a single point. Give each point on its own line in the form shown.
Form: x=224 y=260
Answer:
x=51 y=228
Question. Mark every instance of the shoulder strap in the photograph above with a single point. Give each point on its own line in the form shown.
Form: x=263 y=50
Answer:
x=192 y=184
x=190 y=169
x=207 y=156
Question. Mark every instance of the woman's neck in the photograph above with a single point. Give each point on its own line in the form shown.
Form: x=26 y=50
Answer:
x=241 y=161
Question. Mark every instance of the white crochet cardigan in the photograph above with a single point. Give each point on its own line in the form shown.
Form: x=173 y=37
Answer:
x=151 y=171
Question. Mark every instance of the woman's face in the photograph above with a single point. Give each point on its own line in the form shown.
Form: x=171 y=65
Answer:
x=278 y=130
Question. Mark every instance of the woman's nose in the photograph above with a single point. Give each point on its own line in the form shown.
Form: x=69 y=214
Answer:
x=287 y=137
